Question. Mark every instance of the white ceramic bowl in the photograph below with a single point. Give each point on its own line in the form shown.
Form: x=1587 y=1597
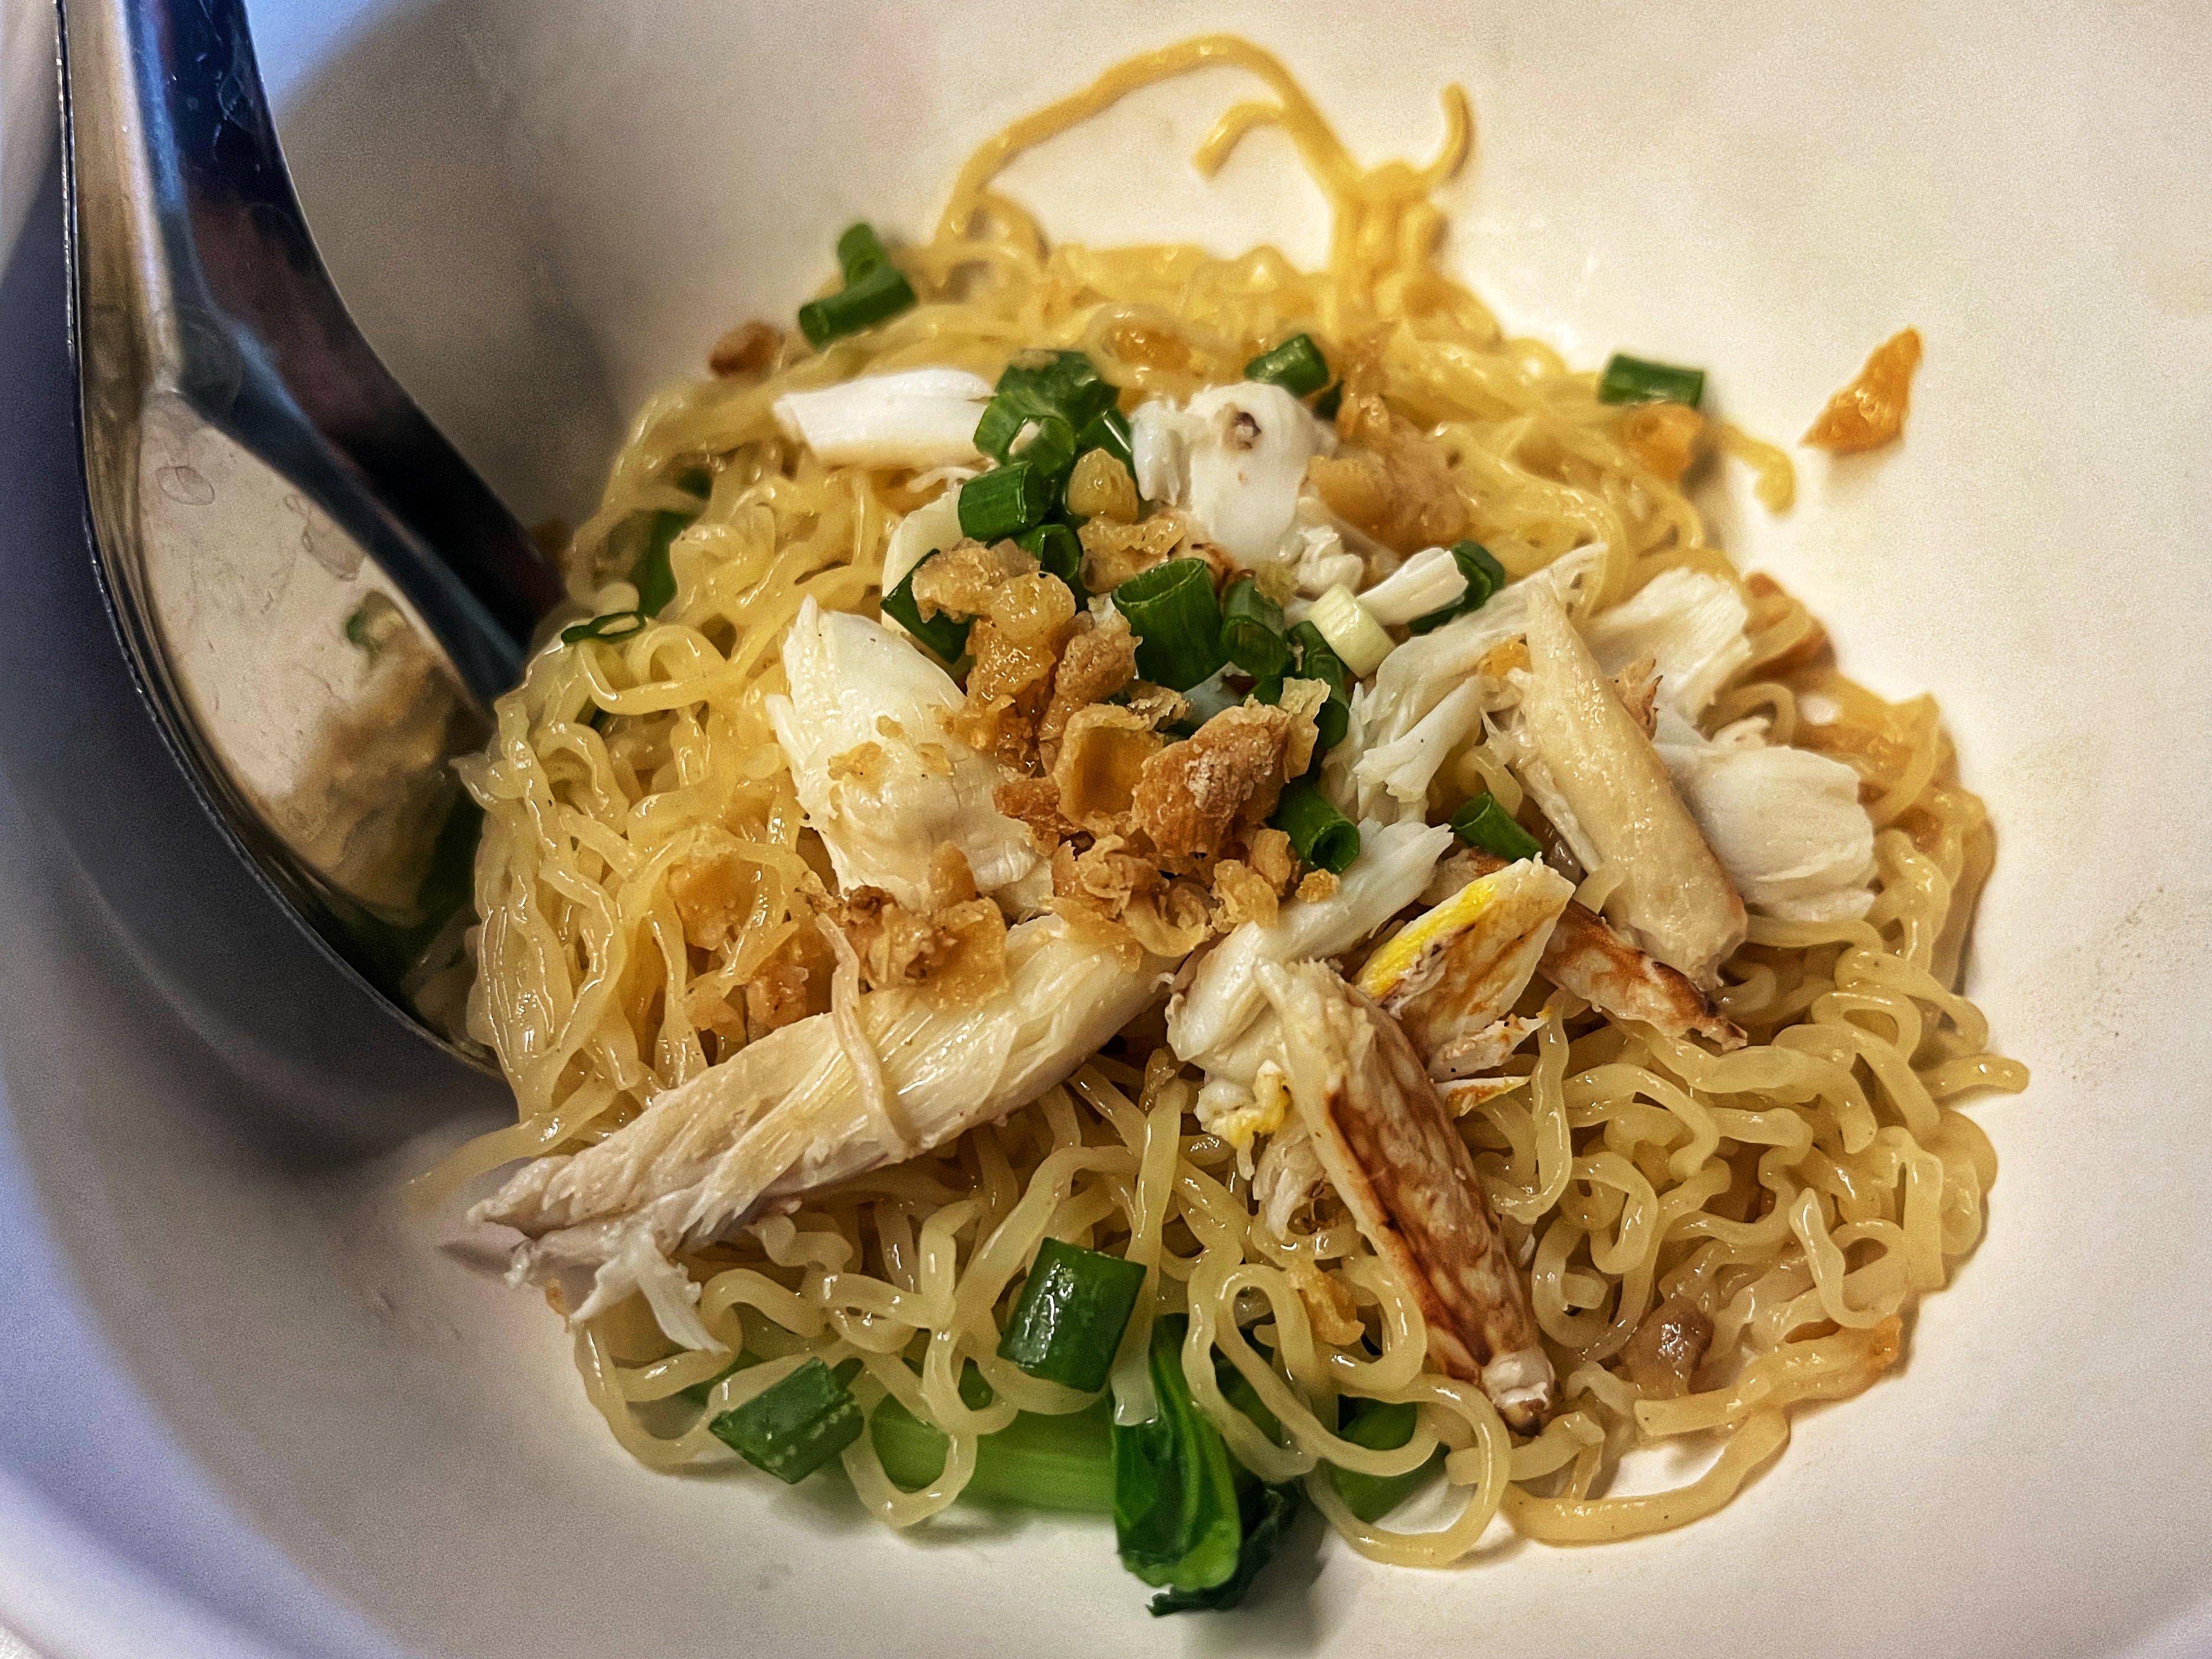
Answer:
x=250 y=1409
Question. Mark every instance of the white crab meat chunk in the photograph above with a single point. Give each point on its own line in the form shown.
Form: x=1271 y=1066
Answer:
x=1689 y=624
x=882 y=781
x=795 y=1110
x=1233 y=457
x=930 y=528
x=1602 y=784
x=1450 y=976
x=1428 y=581
x=1385 y=1138
x=1391 y=717
x=1786 y=822
x=918 y=417
x=1221 y=1020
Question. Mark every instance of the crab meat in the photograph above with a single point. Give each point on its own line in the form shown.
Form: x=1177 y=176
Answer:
x=1690 y=624
x=1606 y=790
x=1450 y=977
x=929 y=529
x=881 y=779
x=1786 y=822
x=1234 y=456
x=790 y=1112
x=921 y=417
x=1384 y=1135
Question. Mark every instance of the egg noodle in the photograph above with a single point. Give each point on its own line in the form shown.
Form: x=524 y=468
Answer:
x=1803 y=1191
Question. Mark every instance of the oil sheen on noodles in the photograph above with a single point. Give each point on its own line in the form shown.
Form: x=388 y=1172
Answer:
x=1869 y=1185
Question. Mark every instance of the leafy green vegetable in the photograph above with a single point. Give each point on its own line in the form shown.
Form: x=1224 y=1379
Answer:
x=1061 y=1463
x=1177 y=1521
x=1380 y=1425
x=1267 y=1518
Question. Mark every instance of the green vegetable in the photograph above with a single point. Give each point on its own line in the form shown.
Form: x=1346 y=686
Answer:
x=1484 y=576
x=874 y=290
x=1109 y=430
x=1380 y=1426
x=1320 y=834
x=1296 y=366
x=1173 y=1523
x=1632 y=381
x=1318 y=661
x=1252 y=631
x=611 y=625
x=1482 y=821
x=1177 y=1521
x=1004 y=501
x=1073 y=1308
x=795 y=1426
x=1063 y=384
x=1326 y=406
x=1051 y=450
x=944 y=634
x=651 y=575
x=1058 y=553
x=1177 y=621
x=1062 y=1463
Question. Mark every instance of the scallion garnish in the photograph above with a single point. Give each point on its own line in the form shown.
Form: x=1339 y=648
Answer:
x=1633 y=380
x=1073 y=1307
x=874 y=290
x=1320 y=834
x=1296 y=366
x=1057 y=553
x=944 y=634
x=1004 y=501
x=1050 y=449
x=1037 y=384
x=796 y=1426
x=1484 y=576
x=613 y=625
x=1353 y=633
x=1177 y=621
x=1326 y=406
x=1109 y=430
x=1316 y=661
x=1252 y=631
x=1483 y=822
x=1380 y=1426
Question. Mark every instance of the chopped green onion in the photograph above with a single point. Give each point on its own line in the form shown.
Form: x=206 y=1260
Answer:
x=1178 y=1523
x=1003 y=502
x=945 y=635
x=1316 y=661
x=796 y=1426
x=1073 y=1308
x=1483 y=822
x=1296 y=366
x=1050 y=450
x=1484 y=576
x=874 y=290
x=1326 y=406
x=1109 y=430
x=1351 y=631
x=1320 y=834
x=613 y=625
x=1633 y=380
x=1064 y=1463
x=1252 y=631
x=1036 y=384
x=1380 y=1426
x=884 y=292
x=1172 y=610
x=1057 y=553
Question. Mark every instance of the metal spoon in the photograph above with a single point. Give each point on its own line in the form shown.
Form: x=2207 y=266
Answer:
x=318 y=597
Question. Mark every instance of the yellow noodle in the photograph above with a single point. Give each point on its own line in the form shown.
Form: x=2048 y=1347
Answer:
x=1622 y=1162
